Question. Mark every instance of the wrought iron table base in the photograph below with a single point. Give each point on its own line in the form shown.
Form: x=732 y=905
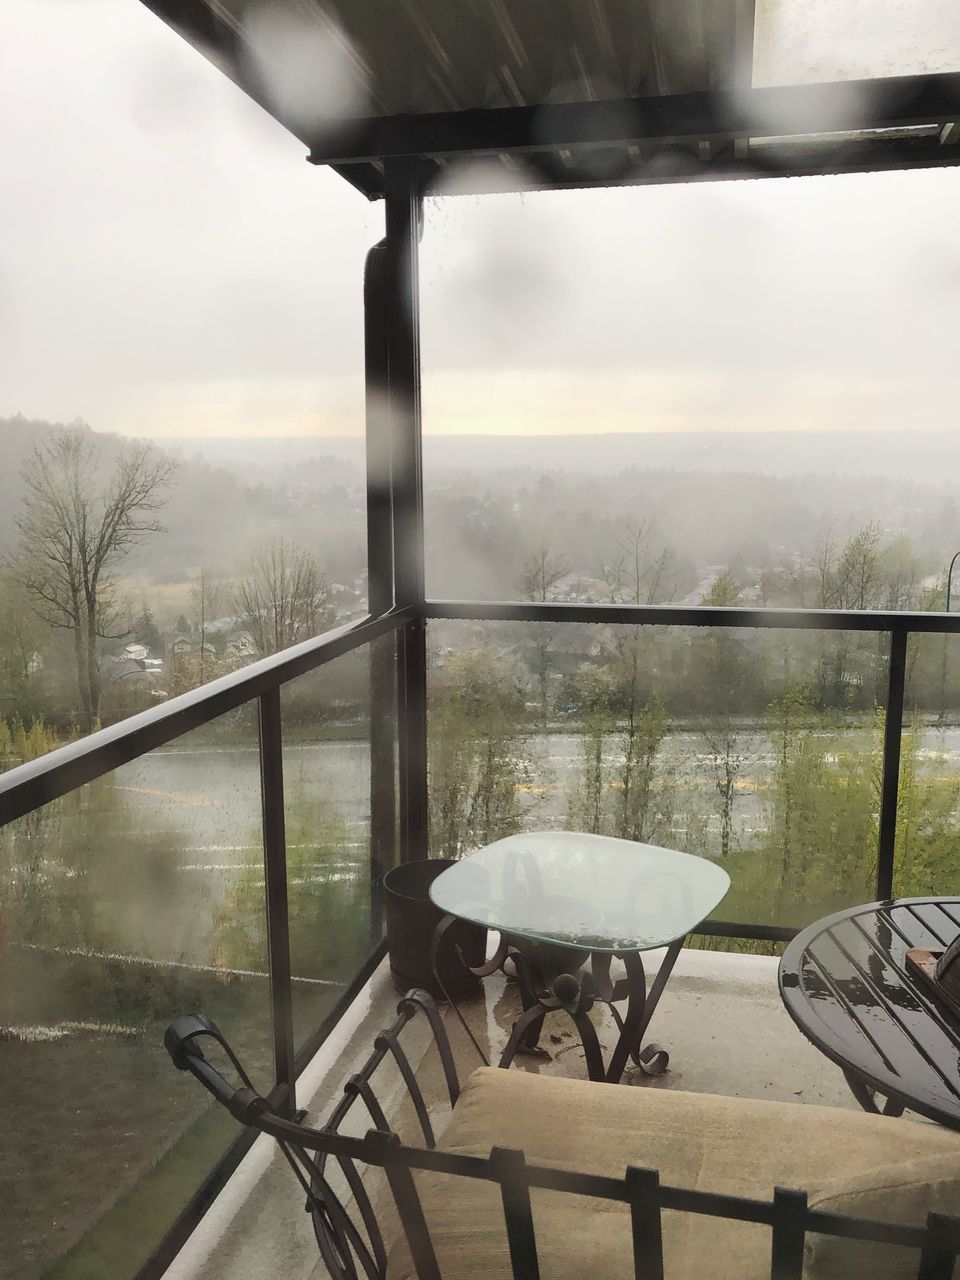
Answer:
x=544 y=990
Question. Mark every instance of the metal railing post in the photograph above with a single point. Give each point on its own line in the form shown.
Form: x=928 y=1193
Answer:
x=275 y=879
x=412 y=727
x=401 y=308
x=890 y=785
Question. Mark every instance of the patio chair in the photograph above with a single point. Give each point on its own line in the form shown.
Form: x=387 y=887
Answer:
x=537 y=1176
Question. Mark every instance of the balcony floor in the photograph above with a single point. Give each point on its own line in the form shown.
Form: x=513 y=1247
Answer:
x=720 y=1018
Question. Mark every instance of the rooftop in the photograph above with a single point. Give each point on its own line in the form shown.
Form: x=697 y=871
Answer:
x=594 y=95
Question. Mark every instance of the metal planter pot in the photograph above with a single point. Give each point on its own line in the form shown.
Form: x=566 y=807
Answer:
x=411 y=920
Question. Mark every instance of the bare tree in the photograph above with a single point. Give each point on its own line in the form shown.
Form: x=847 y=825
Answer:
x=539 y=580
x=851 y=578
x=542 y=574
x=205 y=593
x=74 y=532
x=637 y=576
x=634 y=576
x=722 y=672
x=282 y=597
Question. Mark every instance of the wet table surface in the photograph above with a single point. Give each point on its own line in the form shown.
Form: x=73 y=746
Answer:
x=845 y=983
x=584 y=891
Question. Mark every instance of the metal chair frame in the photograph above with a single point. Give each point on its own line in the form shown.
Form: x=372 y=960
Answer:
x=352 y=1244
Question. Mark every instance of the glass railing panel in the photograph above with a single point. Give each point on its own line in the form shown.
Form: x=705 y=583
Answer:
x=253 y=491
x=928 y=805
x=339 y=761
x=590 y=438
x=758 y=749
x=130 y=901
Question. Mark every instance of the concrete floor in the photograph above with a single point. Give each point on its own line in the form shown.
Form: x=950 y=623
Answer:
x=720 y=1018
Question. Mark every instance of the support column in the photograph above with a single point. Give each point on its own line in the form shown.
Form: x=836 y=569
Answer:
x=383 y=653
x=402 y=313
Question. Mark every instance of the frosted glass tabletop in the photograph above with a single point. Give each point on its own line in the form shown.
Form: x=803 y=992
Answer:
x=586 y=891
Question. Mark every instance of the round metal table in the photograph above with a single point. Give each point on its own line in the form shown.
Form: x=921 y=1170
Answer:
x=845 y=983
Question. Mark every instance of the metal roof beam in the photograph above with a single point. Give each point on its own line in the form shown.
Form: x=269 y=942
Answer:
x=673 y=165
x=852 y=105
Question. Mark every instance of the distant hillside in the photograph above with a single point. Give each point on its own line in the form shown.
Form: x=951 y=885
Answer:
x=910 y=454
x=215 y=515
x=727 y=498
x=266 y=460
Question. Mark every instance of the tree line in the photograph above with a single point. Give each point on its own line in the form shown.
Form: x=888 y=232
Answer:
x=790 y=723
x=77 y=523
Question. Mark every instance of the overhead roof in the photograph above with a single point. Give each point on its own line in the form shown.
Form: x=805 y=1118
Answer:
x=588 y=92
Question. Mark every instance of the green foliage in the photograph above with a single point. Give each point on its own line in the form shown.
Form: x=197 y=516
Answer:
x=928 y=816
x=620 y=789
x=328 y=898
x=588 y=805
x=146 y=630
x=478 y=757
x=20 y=742
x=643 y=811
x=819 y=852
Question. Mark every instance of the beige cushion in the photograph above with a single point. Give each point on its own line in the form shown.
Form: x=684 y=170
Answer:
x=904 y=1192
x=738 y=1146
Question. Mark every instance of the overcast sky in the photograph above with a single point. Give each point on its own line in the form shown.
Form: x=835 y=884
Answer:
x=171 y=265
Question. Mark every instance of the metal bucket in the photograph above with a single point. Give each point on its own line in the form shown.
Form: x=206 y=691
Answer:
x=411 y=920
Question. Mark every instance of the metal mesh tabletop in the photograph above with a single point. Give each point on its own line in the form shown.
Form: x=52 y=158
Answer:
x=845 y=983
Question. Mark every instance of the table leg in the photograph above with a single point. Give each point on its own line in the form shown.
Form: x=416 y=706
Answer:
x=520 y=1029
x=640 y=1009
x=592 y=1053
x=576 y=996
x=531 y=980
x=867 y=1098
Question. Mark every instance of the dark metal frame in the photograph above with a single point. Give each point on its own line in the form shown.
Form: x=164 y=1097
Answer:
x=897 y=121
x=899 y=627
x=544 y=991
x=852 y=126
x=886 y=1092
x=348 y=1232
x=552 y=979
x=395 y=550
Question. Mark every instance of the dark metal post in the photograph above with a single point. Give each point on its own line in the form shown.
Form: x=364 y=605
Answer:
x=892 y=734
x=376 y=372
x=275 y=877
x=401 y=284
x=789 y=1221
x=412 y=728
x=383 y=655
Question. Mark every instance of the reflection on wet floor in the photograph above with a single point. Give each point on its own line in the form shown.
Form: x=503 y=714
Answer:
x=720 y=1019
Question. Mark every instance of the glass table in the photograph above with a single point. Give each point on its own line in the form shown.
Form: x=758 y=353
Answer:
x=562 y=901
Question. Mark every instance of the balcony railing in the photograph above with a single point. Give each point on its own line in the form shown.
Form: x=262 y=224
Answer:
x=399 y=778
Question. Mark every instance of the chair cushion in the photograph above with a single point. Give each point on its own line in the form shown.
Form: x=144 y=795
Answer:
x=730 y=1145
x=904 y=1192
